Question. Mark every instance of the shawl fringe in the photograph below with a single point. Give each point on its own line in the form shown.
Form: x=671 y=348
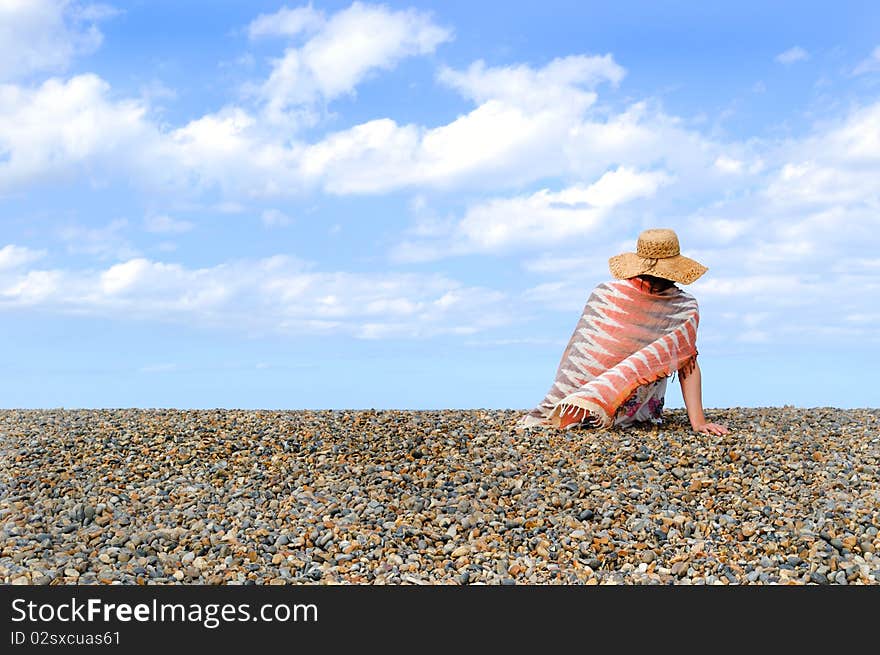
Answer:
x=568 y=414
x=687 y=367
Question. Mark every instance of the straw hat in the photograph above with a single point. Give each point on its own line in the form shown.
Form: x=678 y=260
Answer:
x=657 y=254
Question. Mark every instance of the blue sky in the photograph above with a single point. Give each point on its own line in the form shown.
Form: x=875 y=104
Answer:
x=406 y=204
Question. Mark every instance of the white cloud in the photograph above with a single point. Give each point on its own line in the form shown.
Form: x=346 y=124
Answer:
x=60 y=129
x=756 y=318
x=721 y=230
x=107 y=242
x=836 y=167
x=272 y=295
x=563 y=295
x=155 y=91
x=30 y=288
x=342 y=52
x=643 y=136
x=12 y=256
x=275 y=218
x=871 y=64
x=617 y=187
x=162 y=224
x=287 y=22
x=594 y=265
x=45 y=35
x=753 y=336
x=229 y=151
x=854 y=139
x=747 y=285
x=564 y=81
x=728 y=165
x=94 y=12
x=527 y=125
x=123 y=277
x=792 y=55
x=810 y=182
x=541 y=218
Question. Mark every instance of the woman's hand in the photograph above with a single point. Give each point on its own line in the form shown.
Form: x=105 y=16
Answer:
x=711 y=428
x=691 y=391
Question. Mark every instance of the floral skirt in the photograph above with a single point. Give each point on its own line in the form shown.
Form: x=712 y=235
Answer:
x=645 y=404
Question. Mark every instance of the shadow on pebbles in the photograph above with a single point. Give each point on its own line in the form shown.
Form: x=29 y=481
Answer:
x=790 y=496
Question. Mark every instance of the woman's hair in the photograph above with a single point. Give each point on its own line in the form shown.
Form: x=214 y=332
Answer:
x=657 y=284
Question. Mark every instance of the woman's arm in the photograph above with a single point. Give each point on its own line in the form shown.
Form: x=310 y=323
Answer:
x=691 y=391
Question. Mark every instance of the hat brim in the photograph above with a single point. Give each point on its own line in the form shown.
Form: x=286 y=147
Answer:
x=681 y=269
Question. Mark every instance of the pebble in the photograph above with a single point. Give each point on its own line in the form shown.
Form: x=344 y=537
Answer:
x=818 y=578
x=416 y=497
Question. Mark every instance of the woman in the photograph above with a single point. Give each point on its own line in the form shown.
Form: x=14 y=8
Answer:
x=634 y=333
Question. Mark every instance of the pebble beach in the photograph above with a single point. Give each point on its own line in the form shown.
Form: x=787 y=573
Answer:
x=790 y=496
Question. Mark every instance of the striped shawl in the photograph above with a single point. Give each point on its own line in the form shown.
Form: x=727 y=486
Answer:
x=626 y=337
